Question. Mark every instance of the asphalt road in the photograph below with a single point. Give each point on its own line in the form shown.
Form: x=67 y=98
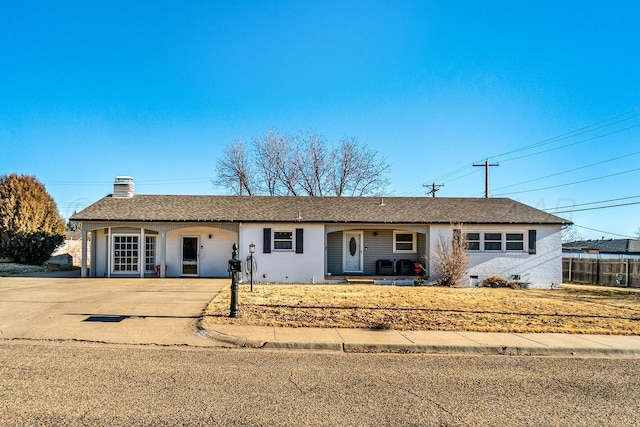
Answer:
x=45 y=383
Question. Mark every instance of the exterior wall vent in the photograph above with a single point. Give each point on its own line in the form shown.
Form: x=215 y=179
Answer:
x=123 y=186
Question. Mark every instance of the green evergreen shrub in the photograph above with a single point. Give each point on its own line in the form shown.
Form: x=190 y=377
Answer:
x=30 y=225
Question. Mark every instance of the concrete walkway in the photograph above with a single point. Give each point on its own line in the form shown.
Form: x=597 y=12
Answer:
x=114 y=311
x=363 y=340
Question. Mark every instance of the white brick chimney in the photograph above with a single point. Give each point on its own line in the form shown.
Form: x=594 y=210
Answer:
x=123 y=186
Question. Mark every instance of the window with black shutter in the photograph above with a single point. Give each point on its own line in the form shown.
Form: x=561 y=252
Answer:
x=532 y=242
x=299 y=240
x=266 y=240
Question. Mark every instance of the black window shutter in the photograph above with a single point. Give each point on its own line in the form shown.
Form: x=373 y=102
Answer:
x=532 y=242
x=266 y=240
x=299 y=240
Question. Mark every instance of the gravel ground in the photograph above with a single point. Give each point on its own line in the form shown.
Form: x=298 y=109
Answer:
x=74 y=385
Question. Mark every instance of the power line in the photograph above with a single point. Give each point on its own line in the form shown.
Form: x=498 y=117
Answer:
x=597 y=207
x=568 y=171
x=570 y=183
x=137 y=182
x=605 y=232
x=574 y=133
x=593 y=203
x=585 y=129
x=570 y=145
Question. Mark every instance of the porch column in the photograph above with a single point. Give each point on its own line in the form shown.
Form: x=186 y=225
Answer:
x=326 y=262
x=83 y=268
x=93 y=252
x=142 y=254
x=163 y=254
x=109 y=240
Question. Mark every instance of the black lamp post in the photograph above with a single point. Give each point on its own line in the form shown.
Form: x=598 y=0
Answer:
x=252 y=250
x=235 y=266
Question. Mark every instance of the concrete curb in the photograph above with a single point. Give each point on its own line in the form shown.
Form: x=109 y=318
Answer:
x=245 y=342
x=488 y=350
x=233 y=340
x=431 y=342
x=329 y=346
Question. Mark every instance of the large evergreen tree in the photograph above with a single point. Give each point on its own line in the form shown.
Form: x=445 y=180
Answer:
x=30 y=225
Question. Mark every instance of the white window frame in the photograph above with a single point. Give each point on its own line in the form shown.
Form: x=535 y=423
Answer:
x=478 y=241
x=522 y=241
x=292 y=240
x=414 y=242
x=150 y=259
x=486 y=241
x=116 y=254
x=504 y=242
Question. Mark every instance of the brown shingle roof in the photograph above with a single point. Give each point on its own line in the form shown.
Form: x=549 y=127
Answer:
x=422 y=210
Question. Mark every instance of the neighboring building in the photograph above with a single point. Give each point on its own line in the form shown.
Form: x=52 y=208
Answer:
x=314 y=239
x=70 y=252
x=610 y=248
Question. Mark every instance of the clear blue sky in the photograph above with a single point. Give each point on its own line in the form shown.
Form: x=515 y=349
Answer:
x=155 y=89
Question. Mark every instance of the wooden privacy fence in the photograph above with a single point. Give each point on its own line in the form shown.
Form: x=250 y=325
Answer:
x=623 y=272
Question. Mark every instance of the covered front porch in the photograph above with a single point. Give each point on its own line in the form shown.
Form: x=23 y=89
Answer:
x=157 y=249
x=377 y=251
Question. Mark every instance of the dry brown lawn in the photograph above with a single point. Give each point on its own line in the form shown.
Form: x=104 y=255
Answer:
x=569 y=309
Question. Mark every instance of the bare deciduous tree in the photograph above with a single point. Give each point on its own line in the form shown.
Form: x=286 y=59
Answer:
x=356 y=171
x=313 y=161
x=265 y=156
x=276 y=161
x=234 y=169
x=302 y=165
x=451 y=258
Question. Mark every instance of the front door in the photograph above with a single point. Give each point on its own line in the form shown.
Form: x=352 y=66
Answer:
x=353 y=252
x=190 y=256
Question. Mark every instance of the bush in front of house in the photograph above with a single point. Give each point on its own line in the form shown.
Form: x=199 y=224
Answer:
x=29 y=248
x=451 y=258
x=497 y=281
x=30 y=225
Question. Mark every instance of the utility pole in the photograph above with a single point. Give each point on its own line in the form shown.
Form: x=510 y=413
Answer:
x=486 y=166
x=434 y=187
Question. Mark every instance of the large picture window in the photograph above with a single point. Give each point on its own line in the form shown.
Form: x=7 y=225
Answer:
x=125 y=253
x=495 y=242
x=404 y=242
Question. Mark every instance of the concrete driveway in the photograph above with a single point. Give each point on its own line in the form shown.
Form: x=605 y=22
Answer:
x=127 y=311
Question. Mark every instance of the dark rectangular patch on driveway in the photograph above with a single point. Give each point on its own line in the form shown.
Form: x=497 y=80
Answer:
x=105 y=319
